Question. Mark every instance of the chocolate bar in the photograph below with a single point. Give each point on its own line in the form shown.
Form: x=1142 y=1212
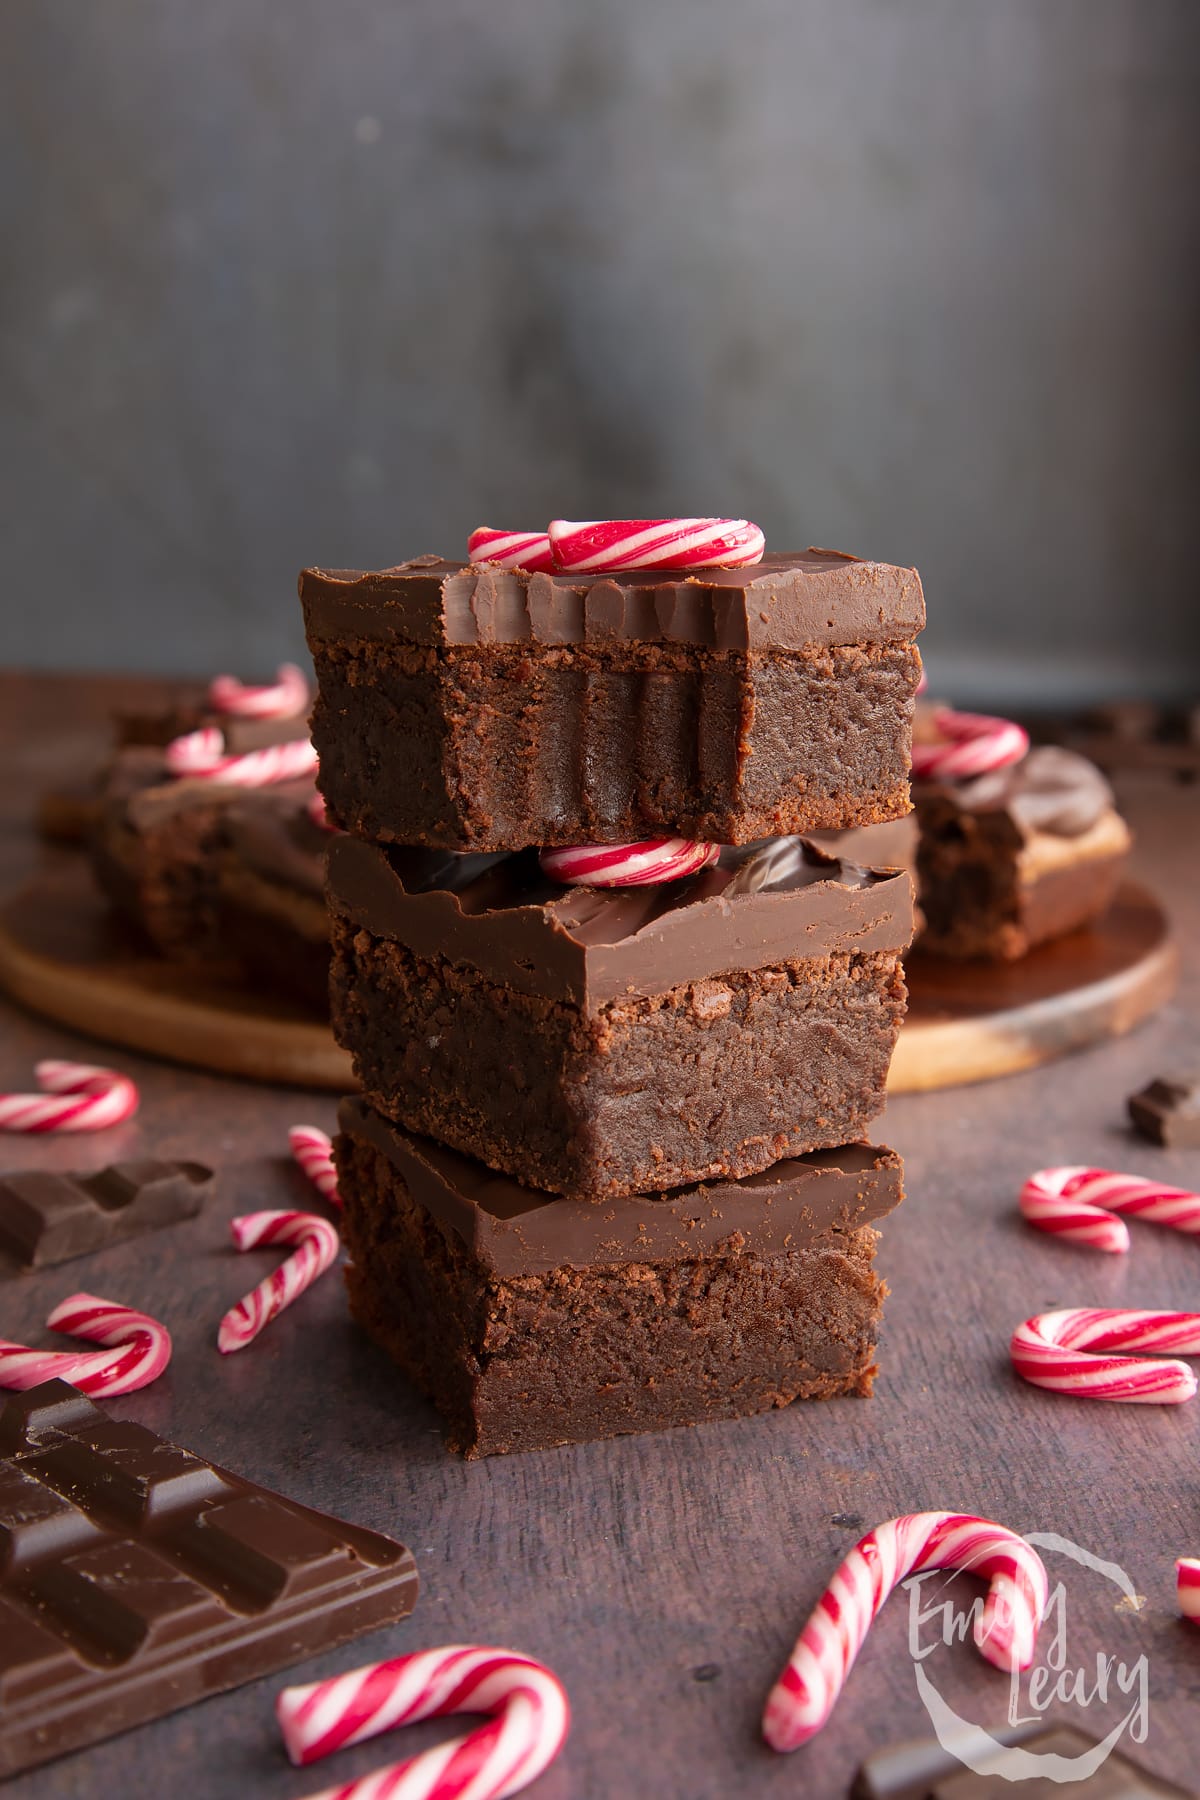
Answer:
x=136 y=1577
x=46 y=1217
x=927 y=1771
x=1168 y=1111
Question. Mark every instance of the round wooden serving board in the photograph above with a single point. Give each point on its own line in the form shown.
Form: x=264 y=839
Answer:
x=60 y=955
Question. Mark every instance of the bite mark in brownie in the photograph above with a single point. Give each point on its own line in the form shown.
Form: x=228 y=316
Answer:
x=477 y=709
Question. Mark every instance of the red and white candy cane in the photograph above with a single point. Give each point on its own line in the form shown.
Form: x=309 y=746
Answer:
x=1187 y=1587
x=1055 y=1350
x=511 y=549
x=628 y=865
x=314 y=1152
x=317 y=1245
x=74 y=1097
x=970 y=744
x=284 y=697
x=581 y=546
x=1078 y=1203
x=200 y=756
x=137 y=1349
x=1005 y=1632
x=529 y=1723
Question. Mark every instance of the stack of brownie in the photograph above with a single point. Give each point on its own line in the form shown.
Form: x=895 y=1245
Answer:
x=606 y=1172
x=216 y=875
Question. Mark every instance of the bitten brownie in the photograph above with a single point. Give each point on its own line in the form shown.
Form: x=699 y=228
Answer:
x=532 y=1322
x=627 y=1040
x=1016 y=857
x=475 y=708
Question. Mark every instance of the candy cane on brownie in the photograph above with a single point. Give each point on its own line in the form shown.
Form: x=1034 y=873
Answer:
x=286 y=695
x=510 y=549
x=1054 y=1350
x=584 y=546
x=1078 y=1203
x=968 y=744
x=317 y=1245
x=628 y=865
x=137 y=1349
x=200 y=756
x=74 y=1097
x=529 y=1723
x=1187 y=1587
x=1005 y=1632
x=314 y=1153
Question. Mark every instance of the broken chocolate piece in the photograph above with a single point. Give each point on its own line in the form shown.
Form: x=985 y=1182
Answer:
x=47 y=1217
x=926 y=1771
x=1168 y=1111
x=136 y=1578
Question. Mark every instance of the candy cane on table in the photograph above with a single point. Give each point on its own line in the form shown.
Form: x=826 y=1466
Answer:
x=1005 y=1632
x=628 y=865
x=285 y=696
x=74 y=1097
x=313 y=1151
x=1078 y=1203
x=510 y=549
x=1054 y=1351
x=581 y=546
x=969 y=744
x=1187 y=1587
x=317 y=1245
x=531 y=1718
x=137 y=1350
x=200 y=756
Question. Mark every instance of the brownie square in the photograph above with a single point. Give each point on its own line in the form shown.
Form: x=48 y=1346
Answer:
x=157 y=844
x=471 y=708
x=1015 y=858
x=271 y=911
x=627 y=1040
x=531 y=1322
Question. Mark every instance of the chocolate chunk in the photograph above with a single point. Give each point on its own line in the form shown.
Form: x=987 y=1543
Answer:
x=1168 y=1111
x=925 y=1771
x=136 y=1577
x=47 y=1217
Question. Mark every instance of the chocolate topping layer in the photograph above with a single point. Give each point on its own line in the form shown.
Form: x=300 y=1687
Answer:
x=516 y=1230
x=1051 y=790
x=781 y=603
x=138 y=782
x=773 y=901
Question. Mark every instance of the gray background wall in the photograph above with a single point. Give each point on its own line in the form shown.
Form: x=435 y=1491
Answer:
x=335 y=282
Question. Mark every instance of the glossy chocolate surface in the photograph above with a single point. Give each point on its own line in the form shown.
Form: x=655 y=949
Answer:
x=782 y=603
x=136 y=1577
x=776 y=900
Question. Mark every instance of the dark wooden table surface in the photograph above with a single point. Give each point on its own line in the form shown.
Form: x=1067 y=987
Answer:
x=665 y=1577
